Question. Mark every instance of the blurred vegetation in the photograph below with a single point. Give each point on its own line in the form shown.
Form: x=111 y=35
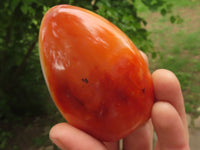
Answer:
x=23 y=92
x=178 y=48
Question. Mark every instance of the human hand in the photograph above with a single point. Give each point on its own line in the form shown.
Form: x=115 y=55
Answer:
x=168 y=119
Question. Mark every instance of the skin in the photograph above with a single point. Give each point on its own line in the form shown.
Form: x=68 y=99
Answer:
x=168 y=119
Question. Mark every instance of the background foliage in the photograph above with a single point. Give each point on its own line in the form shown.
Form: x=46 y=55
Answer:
x=23 y=93
x=22 y=90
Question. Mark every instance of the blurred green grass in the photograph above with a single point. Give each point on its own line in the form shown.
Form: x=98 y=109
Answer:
x=178 y=47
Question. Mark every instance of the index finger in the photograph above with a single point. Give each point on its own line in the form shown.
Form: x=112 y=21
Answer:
x=144 y=57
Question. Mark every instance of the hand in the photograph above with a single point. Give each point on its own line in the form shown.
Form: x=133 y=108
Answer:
x=168 y=119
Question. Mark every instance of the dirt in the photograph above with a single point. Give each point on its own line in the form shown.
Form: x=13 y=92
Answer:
x=190 y=16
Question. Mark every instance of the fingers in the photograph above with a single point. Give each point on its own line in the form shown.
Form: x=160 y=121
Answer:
x=169 y=128
x=167 y=88
x=67 y=137
x=145 y=57
x=168 y=113
x=112 y=145
x=141 y=139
